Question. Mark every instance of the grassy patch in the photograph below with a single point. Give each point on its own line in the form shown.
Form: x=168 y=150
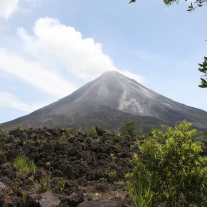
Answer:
x=24 y=165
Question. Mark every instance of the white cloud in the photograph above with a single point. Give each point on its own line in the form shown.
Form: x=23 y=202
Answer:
x=34 y=74
x=56 y=43
x=7 y=7
x=8 y=99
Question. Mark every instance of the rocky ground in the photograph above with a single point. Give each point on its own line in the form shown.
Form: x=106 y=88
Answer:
x=73 y=169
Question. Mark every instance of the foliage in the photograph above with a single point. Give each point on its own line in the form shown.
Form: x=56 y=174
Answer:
x=24 y=165
x=112 y=174
x=93 y=131
x=107 y=132
x=203 y=69
x=68 y=132
x=128 y=129
x=24 y=197
x=1 y=130
x=139 y=185
x=171 y=168
x=197 y=3
x=45 y=182
x=60 y=184
x=17 y=128
x=132 y=1
x=112 y=158
x=200 y=137
x=57 y=131
x=102 y=180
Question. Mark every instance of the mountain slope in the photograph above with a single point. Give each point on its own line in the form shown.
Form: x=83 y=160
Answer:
x=84 y=119
x=118 y=92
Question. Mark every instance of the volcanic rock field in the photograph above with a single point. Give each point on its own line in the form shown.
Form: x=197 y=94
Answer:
x=72 y=168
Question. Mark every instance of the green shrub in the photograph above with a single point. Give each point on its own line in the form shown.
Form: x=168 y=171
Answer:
x=1 y=130
x=128 y=129
x=24 y=165
x=68 y=132
x=107 y=132
x=113 y=158
x=24 y=197
x=171 y=167
x=45 y=182
x=60 y=184
x=112 y=174
x=102 y=180
x=93 y=131
x=17 y=128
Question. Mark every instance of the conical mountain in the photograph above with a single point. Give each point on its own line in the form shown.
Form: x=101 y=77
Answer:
x=112 y=92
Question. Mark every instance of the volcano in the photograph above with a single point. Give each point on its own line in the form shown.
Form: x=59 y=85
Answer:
x=107 y=101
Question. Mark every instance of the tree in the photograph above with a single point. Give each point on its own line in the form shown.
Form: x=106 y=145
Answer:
x=197 y=3
x=171 y=168
x=128 y=129
x=203 y=69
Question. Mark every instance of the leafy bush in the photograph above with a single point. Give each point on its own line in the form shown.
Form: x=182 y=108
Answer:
x=68 y=132
x=93 y=131
x=201 y=137
x=128 y=129
x=170 y=168
x=45 y=182
x=1 y=130
x=24 y=165
x=17 y=128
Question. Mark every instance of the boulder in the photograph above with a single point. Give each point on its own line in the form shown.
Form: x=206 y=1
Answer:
x=49 y=200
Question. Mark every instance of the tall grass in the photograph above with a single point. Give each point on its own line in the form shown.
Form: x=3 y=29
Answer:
x=140 y=193
x=24 y=165
x=139 y=186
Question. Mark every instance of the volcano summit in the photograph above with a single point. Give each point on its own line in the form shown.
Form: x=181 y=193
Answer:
x=110 y=98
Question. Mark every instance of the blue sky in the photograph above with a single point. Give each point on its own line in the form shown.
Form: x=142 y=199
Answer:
x=50 y=48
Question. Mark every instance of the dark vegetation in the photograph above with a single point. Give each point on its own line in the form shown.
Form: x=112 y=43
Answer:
x=193 y=5
x=69 y=168
x=106 y=118
x=170 y=171
x=203 y=70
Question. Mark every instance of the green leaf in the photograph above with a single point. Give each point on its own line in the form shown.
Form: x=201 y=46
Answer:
x=202 y=86
x=203 y=81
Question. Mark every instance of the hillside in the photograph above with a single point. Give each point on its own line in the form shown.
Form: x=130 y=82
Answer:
x=84 y=119
x=107 y=98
